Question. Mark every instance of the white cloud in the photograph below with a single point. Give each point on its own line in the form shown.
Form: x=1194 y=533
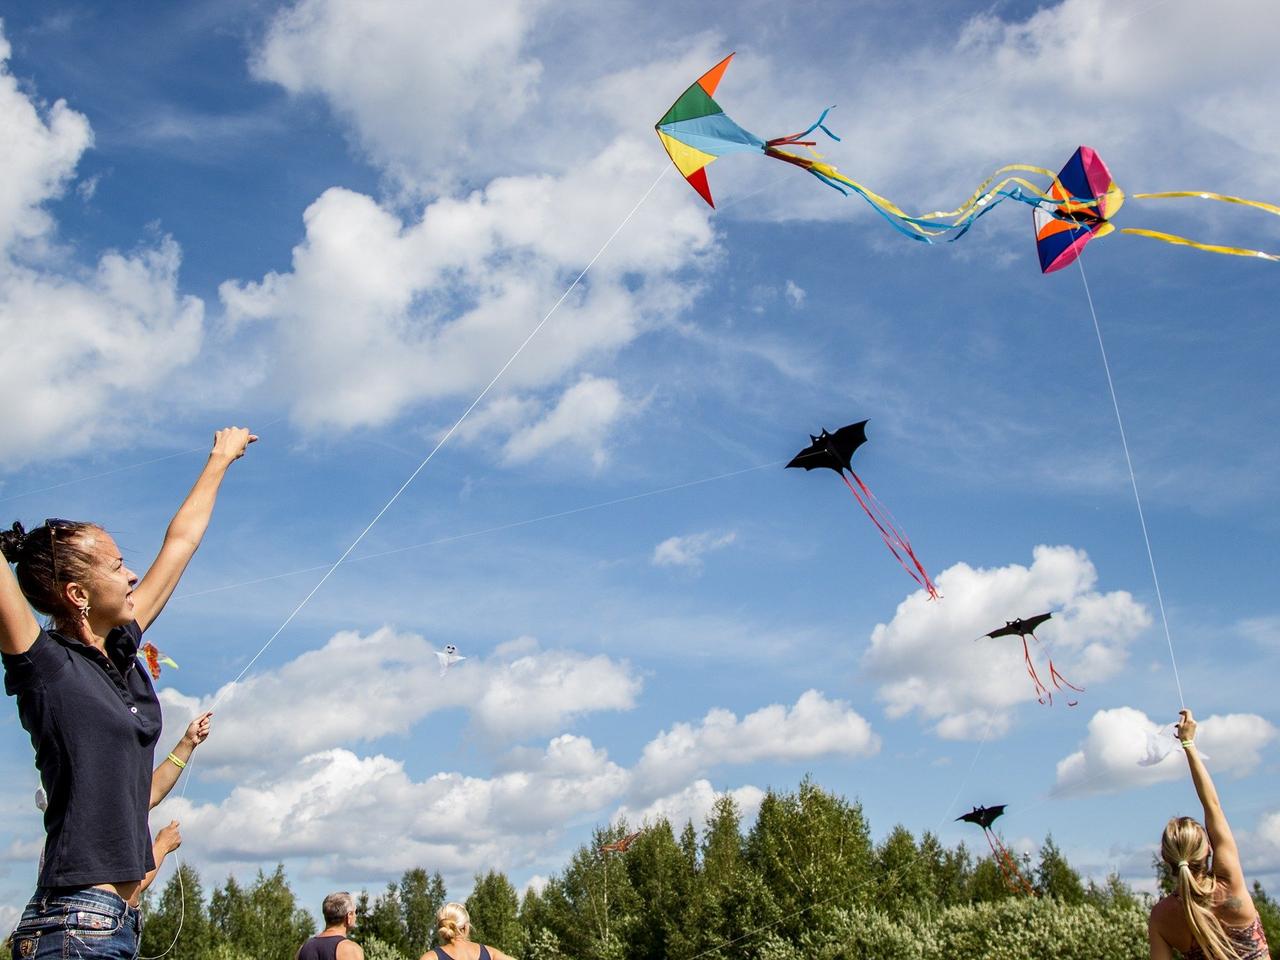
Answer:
x=688 y=551
x=390 y=682
x=928 y=661
x=368 y=816
x=813 y=727
x=378 y=315
x=795 y=294
x=579 y=420
x=420 y=82
x=693 y=803
x=1107 y=761
x=80 y=345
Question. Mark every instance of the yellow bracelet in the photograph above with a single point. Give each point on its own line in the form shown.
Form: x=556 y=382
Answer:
x=180 y=764
x=1187 y=744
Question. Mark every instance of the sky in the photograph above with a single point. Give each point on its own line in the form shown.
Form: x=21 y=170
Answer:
x=336 y=223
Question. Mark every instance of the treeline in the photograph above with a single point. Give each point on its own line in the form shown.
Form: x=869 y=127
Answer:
x=804 y=881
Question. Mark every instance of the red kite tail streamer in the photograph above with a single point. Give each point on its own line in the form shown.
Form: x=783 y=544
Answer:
x=1013 y=877
x=894 y=539
x=1060 y=681
x=1041 y=690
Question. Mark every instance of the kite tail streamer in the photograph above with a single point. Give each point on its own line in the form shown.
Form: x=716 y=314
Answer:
x=892 y=536
x=1207 y=247
x=1013 y=877
x=1041 y=690
x=1055 y=676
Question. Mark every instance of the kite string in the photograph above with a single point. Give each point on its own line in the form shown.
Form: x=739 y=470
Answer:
x=445 y=439
x=404 y=486
x=1133 y=481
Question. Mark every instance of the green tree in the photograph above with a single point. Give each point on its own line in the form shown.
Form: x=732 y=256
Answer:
x=384 y=920
x=987 y=882
x=1054 y=876
x=494 y=909
x=811 y=847
x=264 y=922
x=902 y=882
x=421 y=898
x=176 y=915
x=1269 y=913
x=662 y=877
x=730 y=901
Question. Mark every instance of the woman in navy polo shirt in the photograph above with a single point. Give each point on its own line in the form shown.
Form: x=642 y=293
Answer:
x=92 y=713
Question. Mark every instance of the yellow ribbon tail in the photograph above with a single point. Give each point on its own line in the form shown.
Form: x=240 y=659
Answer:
x=1209 y=247
x=1202 y=195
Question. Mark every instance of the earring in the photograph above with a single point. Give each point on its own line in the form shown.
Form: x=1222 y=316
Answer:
x=84 y=611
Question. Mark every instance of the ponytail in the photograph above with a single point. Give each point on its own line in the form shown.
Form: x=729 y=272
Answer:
x=1186 y=852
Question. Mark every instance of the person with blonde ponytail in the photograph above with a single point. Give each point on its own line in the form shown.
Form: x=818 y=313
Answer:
x=453 y=930
x=1210 y=915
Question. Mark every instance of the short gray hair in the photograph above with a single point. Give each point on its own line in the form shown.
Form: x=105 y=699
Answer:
x=336 y=906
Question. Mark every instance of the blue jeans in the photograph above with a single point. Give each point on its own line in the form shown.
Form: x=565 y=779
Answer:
x=83 y=922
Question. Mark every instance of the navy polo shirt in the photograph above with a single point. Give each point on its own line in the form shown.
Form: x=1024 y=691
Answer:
x=94 y=721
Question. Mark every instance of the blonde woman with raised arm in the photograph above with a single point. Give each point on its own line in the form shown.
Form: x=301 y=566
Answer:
x=1210 y=915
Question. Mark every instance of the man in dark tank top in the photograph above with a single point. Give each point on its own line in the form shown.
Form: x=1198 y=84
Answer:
x=331 y=943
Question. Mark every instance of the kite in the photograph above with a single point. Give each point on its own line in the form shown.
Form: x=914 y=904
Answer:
x=835 y=452
x=1026 y=628
x=984 y=817
x=153 y=658
x=1076 y=206
x=619 y=846
x=1160 y=744
x=447 y=657
x=1085 y=198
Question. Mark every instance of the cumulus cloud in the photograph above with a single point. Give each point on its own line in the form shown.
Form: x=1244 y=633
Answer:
x=688 y=551
x=370 y=816
x=80 y=344
x=693 y=804
x=419 y=82
x=391 y=681
x=378 y=315
x=814 y=726
x=928 y=662
x=1107 y=761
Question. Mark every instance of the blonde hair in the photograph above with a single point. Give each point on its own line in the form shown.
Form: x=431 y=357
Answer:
x=1185 y=850
x=450 y=921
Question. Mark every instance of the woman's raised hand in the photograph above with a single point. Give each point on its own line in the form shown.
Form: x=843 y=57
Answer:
x=231 y=442
x=1186 y=725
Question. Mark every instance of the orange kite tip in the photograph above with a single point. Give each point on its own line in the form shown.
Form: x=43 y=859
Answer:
x=711 y=79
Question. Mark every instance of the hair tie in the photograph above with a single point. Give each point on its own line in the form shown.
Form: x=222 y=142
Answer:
x=13 y=542
x=1181 y=864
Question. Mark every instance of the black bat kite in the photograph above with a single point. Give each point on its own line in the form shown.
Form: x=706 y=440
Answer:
x=984 y=817
x=1026 y=628
x=834 y=451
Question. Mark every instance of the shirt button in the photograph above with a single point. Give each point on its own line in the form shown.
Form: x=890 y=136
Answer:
x=133 y=709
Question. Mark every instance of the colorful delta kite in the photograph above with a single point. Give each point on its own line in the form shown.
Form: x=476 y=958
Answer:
x=1084 y=200
x=1076 y=206
x=835 y=452
x=984 y=817
x=1026 y=628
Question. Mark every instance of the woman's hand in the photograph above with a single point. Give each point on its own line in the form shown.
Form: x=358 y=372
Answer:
x=169 y=839
x=1186 y=729
x=198 y=730
x=230 y=443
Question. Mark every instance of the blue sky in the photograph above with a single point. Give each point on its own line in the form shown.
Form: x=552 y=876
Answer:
x=336 y=222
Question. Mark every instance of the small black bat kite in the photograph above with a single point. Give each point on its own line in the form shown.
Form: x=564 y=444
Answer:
x=835 y=452
x=1026 y=628
x=1013 y=878
x=983 y=816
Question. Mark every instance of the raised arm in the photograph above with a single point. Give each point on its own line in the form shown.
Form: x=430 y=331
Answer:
x=18 y=627
x=187 y=528
x=1226 y=857
x=166 y=775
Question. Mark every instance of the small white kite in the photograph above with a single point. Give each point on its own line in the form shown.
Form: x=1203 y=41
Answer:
x=448 y=657
x=1160 y=744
